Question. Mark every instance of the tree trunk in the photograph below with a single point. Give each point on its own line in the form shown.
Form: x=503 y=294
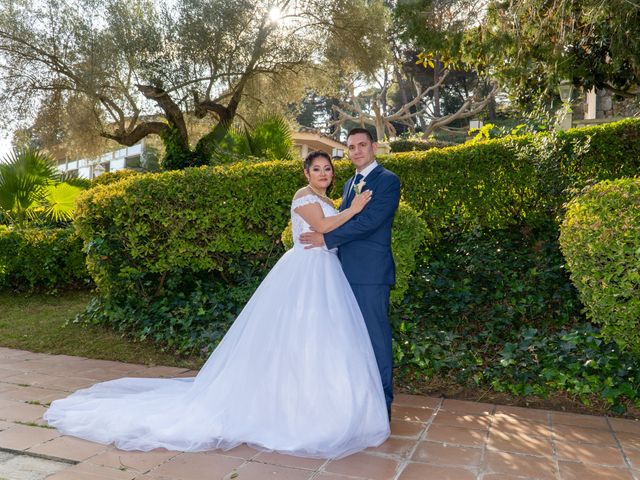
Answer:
x=437 y=71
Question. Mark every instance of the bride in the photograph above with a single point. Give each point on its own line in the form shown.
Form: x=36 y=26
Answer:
x=295 y=373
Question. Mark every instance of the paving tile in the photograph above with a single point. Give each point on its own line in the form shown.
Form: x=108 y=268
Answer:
x=330 y=476
x=416 y=401
x=535 y=415
x=363 y=465
x=406 y=429
x=510 y=425
x=22 y=412
x=464 y=420
x=423 y=471
x=69 y=447
x=456 y=435
x=571 y=433
x=587 y=421
x=517 y=443
x=70 y=384
x=444 y=454
x=20 y=437
x=587 y=453
x=241 y=451
x=397 y=446
x=274 y=458
x=507 y=476
x=138 y=461
x=523 y=465
x=634 y=458
x=24 y=467
x=4 y=425
x=190 y=466
x=27 y=378
x=629 y=440
x=262 y=471
x=88 y=471
x=578 y=471
x=156 y=372
x=625 y=425
x=462 y=406
x=26 y=394
x=411 y=414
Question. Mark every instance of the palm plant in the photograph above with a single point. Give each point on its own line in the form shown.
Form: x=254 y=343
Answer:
x=270 y=139
x=30 y=188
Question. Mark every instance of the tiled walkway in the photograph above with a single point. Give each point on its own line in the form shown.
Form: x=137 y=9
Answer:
x=432 y=439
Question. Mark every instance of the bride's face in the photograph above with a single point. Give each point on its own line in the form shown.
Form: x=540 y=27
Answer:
x=320 y=173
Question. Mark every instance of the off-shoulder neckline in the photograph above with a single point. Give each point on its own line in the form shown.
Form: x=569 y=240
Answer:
x=315 y=197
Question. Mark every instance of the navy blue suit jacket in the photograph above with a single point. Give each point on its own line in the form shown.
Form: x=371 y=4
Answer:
x=364 y=242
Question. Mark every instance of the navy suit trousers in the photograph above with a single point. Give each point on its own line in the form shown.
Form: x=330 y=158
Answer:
x=374 y=304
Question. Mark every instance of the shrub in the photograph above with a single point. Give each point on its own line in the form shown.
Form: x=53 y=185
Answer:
x=601 y=240
x=111 y=177
x=407 y=236
x=417 y=145
x=42 y=259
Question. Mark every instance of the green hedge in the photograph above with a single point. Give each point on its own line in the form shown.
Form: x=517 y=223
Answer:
x=417 y=145
x=163 y=246
x=600 y=237
x=513 y=180
x=42 y=259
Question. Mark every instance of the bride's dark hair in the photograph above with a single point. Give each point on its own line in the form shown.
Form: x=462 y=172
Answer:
x=308 y=161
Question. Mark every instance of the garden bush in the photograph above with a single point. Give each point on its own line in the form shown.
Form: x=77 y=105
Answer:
x=601 y=241
x=405 y=145
x=39 y=259
x=163 y=246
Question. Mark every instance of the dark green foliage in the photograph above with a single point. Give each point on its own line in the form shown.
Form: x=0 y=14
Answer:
x=497 y=309
x=480 y=287
x=576 y=361
x=190 y=315
x=39 y=259
x=417 y=145
x=601 y=241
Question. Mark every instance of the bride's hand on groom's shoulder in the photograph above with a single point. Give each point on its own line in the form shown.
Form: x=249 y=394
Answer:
x=361 y=200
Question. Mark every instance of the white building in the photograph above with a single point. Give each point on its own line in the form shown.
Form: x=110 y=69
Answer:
x=127 y=157
x=304 y=142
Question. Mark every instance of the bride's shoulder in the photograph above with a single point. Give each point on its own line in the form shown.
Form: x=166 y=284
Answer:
x=303 y=192
x=303 y=197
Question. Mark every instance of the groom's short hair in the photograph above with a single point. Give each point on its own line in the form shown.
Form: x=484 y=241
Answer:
x=356 y=130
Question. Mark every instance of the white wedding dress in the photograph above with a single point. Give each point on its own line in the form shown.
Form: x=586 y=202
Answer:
x=295 y=374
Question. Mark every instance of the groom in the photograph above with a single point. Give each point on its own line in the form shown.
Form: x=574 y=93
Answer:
x=364 y=247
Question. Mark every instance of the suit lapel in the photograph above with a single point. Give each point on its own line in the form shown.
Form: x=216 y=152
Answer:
x=346 y=200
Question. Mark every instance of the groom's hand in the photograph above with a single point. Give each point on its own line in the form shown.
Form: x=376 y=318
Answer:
x=312 y=239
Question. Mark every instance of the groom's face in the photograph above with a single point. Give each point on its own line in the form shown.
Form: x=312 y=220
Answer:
x=361 y=150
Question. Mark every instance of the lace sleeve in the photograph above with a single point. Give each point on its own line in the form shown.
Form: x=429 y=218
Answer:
x=305 y=200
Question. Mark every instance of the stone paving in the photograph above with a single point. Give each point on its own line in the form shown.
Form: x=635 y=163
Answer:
x=432 y=439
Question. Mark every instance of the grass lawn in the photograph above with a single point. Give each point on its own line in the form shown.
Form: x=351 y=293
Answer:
x=36 y=322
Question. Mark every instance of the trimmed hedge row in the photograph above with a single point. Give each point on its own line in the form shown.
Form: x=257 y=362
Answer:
x=158 y=243
x=417 y=145
x=600 y=238
x=205 y=218
x=42 y=259
x=513 y=180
